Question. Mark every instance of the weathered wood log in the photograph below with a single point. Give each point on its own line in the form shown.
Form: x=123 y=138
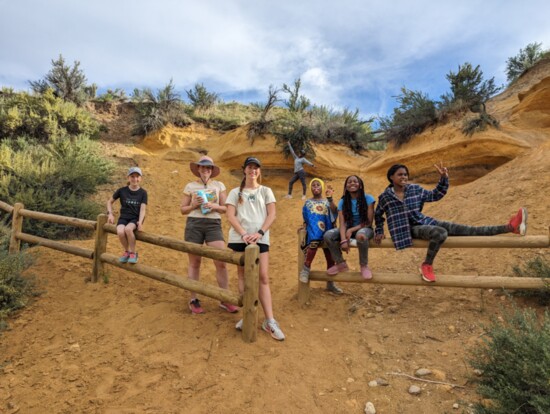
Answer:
x=250 y=296
x=100 y=247
x=303 y=288
x=54 y=218
x=56 y=245
x=6 y=207
x=16 y=228
x=173 y=279
x=461 y=281
x=223 y=255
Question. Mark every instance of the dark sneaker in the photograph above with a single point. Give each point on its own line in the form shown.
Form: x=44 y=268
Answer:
x=229 y=307
x=332 y=288
x=124 y=258
x=273 y=329
x=195 y=307
x=427 y=272
x=337 y=268
x=519 y=222
x=133 y=257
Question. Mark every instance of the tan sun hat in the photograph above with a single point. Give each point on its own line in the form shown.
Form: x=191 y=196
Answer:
x=205 y=162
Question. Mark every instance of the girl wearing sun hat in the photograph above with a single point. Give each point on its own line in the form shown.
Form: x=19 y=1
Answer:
x=203 y=202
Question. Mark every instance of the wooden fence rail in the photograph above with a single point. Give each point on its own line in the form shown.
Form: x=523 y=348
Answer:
x=487 y=282
x=249 y=259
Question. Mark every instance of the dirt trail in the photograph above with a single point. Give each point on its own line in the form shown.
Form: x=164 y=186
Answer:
x=129 y=344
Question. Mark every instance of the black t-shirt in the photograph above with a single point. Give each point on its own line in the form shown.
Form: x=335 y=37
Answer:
x=130 y=201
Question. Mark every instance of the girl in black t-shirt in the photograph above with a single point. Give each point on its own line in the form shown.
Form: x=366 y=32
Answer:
x=133 y=204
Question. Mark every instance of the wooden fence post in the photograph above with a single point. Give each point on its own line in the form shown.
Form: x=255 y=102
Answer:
x=100 y=247
x=16 y=228
x=250 y=295
x=303 y=288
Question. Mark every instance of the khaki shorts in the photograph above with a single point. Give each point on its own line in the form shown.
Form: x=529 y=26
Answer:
x=200 y=230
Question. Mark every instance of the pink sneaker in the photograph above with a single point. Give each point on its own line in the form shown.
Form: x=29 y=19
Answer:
x=337 y=268
x=427 y=272
x=229 y=307
x=366 y=272
x=519 y=222
x=195 y=307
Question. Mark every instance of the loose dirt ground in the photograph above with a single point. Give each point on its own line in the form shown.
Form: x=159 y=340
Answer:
x=130 y=345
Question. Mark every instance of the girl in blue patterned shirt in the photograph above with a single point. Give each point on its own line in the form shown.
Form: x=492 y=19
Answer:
x=402 y=204
x=318 y=218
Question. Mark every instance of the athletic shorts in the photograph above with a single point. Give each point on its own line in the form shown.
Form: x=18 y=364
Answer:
x=200 y=230
x=126 y=221
x=239 y=247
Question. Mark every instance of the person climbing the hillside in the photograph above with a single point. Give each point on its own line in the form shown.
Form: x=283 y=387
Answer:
x=203 y=202
x=318 y=213
x=402 y=203
x=251 y=212
x=299 y=172
x=355 y=216
x=133 y=206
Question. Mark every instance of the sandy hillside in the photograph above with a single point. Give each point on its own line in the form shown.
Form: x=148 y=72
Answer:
x=130 y=345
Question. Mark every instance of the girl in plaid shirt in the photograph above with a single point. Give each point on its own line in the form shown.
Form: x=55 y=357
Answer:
x=402 y=205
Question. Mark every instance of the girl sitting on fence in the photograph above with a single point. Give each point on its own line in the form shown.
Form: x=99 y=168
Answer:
x=203 y=201
x=355 y=215
x=133 y=205
x=402 y=204
x=251 y=212
x=318 y=218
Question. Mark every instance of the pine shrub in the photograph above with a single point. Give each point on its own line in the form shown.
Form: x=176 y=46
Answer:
x=514 y=359
x=537 y=267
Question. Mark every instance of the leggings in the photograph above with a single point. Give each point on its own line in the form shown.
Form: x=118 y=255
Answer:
x=437 y=234
x=299 y=175
x=311 y=250
x=332 y=240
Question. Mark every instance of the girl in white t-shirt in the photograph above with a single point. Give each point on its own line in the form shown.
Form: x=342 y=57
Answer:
x=203 y=201
x=251 y=211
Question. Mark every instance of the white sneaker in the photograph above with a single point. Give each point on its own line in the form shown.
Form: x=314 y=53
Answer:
x=304 y=197
x=304 y=275
x=288 y=196
x=273 y=329
x=239 y=325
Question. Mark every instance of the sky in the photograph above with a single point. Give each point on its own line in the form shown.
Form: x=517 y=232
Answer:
x=347 y=53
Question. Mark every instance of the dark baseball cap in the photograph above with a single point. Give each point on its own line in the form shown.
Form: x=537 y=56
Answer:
x=252 y=160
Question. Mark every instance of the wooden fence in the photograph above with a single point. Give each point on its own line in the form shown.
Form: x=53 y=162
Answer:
x=248 y=301
x=488 y=282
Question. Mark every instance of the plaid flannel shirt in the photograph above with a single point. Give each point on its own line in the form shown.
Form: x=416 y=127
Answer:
x=404 y=214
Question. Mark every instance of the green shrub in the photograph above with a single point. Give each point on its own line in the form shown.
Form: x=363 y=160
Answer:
x=54 y=178
x=67 y=82
x=515 y=363
x=525 y=59
x=262 y=125
x=536 y=267
x=43 y=117
x=479 y=123
x=201 y=99
x=296 y=102
x=15 y=289
x=154 y=111
x=112 y=95
x=415 y=113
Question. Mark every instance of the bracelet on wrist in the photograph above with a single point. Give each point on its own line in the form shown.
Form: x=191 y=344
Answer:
x=344 y=241
x=261 y=232
x=329 y=199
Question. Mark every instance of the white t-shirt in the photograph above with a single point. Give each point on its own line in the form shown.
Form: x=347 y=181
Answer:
x=251 y=212
x=212 y=190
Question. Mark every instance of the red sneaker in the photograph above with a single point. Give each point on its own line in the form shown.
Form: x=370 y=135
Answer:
x=427 y=272
x=195 y=307
x=519 y=222
x=337 y=268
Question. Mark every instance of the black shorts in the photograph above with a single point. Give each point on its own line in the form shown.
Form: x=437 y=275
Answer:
x=239 y=247
x=126 y=221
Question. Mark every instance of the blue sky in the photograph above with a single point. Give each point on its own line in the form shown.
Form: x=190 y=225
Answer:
x=348 y=53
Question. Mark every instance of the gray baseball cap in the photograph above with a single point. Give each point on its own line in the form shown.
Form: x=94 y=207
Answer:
x=135 y=170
